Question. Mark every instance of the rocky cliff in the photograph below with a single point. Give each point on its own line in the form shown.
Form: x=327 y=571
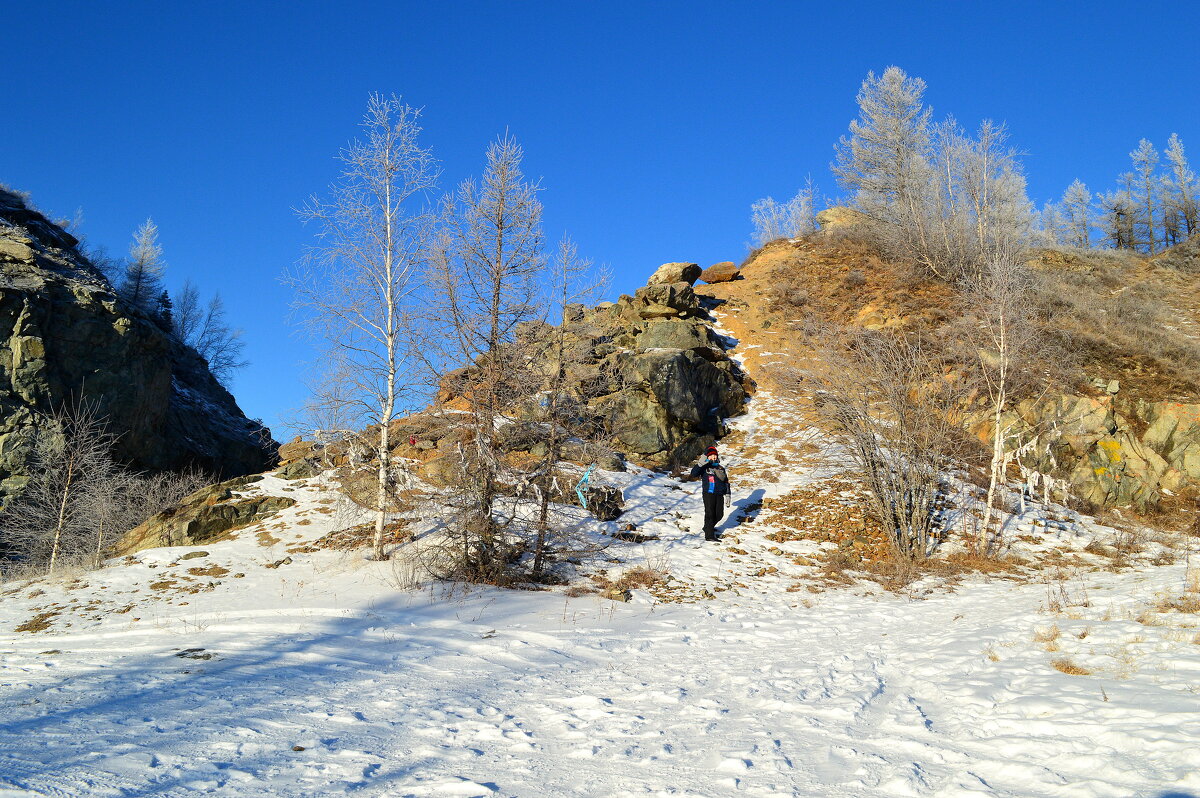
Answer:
x=68 y=337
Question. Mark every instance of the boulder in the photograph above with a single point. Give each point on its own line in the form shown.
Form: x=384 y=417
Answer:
x=839 y=218
x=673 y=334
x=661 y=302
x=604 y=502
x=305 y=468
x=721 y=272
x=675 y=273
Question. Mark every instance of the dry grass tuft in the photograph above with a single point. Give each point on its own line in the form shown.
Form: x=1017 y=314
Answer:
x=39 y=622
x=1048 y=637
x=1065 y=665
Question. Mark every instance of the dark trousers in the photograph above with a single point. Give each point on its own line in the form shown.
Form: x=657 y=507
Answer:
x=714 y=511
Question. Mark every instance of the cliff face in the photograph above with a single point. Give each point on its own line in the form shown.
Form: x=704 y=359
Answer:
x=68 y=337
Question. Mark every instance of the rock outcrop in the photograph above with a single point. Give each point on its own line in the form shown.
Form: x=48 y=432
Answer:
x=208 y=515
x=67 y=337
x=647 y=371
x=655 y=374
x=1109 y=450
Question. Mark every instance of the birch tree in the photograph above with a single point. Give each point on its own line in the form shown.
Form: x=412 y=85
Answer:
x=355 y=288
x=999 y=295
x=52 y=519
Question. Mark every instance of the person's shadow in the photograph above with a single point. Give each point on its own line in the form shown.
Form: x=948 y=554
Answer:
x=743 y=510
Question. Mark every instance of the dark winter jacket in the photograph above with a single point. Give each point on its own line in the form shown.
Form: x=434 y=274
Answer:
x=713 y=477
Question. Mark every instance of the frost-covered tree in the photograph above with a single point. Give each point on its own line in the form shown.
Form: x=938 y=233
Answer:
x=774 y=220
x=141 y=284
x=356 y=288
x=1119 y=214
x=1077 y=213
x=1145 y=188
x=884 y=163
x=935 y=194
x=1051 y=225
x=1181 y=190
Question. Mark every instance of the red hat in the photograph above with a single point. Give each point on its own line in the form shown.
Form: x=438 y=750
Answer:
x=711 y=450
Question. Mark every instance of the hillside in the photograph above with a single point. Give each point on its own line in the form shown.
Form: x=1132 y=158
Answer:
x=784 y=660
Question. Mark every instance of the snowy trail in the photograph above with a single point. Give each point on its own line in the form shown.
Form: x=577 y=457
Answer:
x=856 y=696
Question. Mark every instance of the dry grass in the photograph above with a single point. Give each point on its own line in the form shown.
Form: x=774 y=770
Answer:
x=39 y=622
x=1118 y=316
x=215 y=571
x=1064 y=665
x=1048 y=638
x=356 y=537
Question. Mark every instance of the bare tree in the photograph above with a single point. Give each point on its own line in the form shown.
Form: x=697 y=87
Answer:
x=204 y=328
x=356 y=286
x=555 y=357
x=886 y=401
x=71 y=462
x=999 y=298
x=141 y=284
x=488 y=262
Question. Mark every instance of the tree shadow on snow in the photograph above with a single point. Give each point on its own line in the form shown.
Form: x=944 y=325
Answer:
x=189 y=718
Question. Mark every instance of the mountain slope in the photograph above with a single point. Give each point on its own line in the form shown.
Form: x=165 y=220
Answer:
x=278 y=662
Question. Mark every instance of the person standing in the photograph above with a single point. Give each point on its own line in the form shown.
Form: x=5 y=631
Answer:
x=714 y=488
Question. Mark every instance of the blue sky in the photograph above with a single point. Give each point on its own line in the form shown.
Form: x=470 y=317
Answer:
x=653 y=126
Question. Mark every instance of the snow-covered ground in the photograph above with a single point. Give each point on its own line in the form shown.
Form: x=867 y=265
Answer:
x=265 y=668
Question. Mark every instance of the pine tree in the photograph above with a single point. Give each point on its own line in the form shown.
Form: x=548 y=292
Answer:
x=163 y=316
x=141 y=285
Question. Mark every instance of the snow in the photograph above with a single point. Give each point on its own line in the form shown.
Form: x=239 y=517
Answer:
x=274 y=669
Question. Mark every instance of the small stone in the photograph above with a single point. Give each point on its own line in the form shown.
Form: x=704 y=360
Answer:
x=193 y=555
